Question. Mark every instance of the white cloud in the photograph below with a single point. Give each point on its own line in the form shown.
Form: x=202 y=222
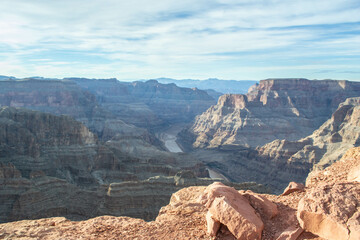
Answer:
x=167 y=36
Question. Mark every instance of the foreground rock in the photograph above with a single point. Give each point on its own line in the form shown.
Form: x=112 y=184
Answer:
x=228 y=207
x=330 y=208
x=332 y=211
x=293 y=187
x=183 y=218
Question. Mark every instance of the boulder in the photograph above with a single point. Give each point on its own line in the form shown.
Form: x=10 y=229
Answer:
x=331 y=211
x=293 y=187
x=228 y=207
x=261 y=204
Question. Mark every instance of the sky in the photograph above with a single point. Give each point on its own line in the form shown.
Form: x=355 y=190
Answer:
x=199 y=39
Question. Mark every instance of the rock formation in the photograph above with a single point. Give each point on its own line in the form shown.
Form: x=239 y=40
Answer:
x=148 y=104
x=64 y=97
x=330 y=207
x=109 y=107
x=281 y=161
x=228 y=207
x=293 y=187
x=301 y=215
x=327 y=144
x=274 y=109
x=54 y=166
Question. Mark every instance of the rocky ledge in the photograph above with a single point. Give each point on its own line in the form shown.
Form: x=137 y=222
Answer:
x=327 y=208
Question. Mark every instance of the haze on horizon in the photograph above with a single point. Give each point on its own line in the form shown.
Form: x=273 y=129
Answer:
x=141 y=39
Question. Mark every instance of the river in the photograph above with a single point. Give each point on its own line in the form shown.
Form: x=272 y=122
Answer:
x=169 y=138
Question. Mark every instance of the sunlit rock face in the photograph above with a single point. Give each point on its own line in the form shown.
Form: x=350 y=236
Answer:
x=274 y=109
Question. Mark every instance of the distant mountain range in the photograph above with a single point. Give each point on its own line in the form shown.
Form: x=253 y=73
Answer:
x=221 y=86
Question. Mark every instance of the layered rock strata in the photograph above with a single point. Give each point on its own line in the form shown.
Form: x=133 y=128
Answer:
x=301 y=214
x=54 y=166
x=274 y=109
x=64 y=97
x=281 y=161
x=330 y=207
x=322 y=148
x=148 y=104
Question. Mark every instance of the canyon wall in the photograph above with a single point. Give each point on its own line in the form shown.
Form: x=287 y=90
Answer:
x=280 y=161
x=148 y=104
x=274 y=109
x=54 y=166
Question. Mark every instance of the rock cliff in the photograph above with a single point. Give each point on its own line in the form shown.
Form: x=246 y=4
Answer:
x=324 y=146
x=54 y=166
x=300 y=215
x=148 y=104
x=274 y=109
x=64 y=97
x=280 y=161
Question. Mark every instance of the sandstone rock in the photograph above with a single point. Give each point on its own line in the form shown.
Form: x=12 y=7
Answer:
x=213 y=225
x=331 y=210
x=293 y=187
x=261 y=204
x=354 y=174
x=233 y=210
x=354 y=226
x=337 y=172
x=292 y=233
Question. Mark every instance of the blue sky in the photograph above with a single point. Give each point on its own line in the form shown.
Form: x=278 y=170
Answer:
x=141 y=39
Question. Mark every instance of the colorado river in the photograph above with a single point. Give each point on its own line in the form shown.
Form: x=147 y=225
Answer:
x=169 y=139
x=170 y=143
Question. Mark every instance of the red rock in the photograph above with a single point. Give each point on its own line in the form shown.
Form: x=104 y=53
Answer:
x=354 y=226
x=354 y=174
x=213 y=225
x=230 y=208
x=261 y=204
x=291 y=233
x=329 y=211
x=293 y=187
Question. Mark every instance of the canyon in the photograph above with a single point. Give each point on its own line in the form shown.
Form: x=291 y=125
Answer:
x=123 y=148
x=287 y=216
x=43 y=157
x=250 y=136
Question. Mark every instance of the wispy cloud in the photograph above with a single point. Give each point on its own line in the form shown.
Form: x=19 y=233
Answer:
x=141 y=39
